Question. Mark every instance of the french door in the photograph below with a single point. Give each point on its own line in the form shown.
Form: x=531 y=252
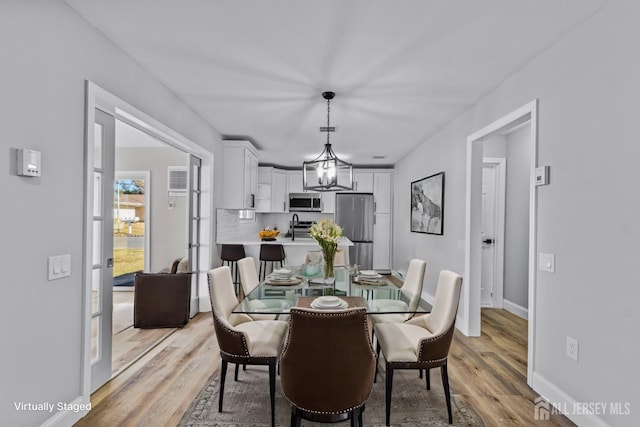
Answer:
x=102 y=249
x=194 y=228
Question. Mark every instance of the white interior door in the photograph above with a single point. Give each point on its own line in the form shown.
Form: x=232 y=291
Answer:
x=102 y=250
x=488 y=275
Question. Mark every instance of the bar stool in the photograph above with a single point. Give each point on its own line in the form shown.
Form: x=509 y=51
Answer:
x=230 y=255
x=270 y=253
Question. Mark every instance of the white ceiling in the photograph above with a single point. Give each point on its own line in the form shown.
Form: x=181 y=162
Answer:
x=401 y=69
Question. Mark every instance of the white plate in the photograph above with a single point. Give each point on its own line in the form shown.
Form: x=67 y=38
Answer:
x=369 y=273
x=319 y=305
x=282 y=271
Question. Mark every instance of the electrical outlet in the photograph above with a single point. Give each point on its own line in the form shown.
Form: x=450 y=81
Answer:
x=572 y=348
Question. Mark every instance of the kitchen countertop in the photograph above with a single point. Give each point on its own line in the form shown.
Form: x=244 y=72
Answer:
x=286 y=241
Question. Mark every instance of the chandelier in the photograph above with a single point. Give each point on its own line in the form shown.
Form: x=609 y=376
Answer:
x=327 y=172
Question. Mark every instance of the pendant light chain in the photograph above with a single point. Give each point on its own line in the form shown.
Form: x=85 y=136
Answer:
x=328 y=118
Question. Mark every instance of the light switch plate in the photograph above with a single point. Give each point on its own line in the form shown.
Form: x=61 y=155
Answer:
x=547 y=262
x=59 y=266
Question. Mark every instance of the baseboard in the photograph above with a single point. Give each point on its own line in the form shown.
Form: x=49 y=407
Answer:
x=560 y=402
x=204 y=304
x=68 y=416
x=516 y=309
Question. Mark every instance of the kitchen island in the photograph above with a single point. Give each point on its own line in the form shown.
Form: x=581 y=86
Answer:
x=295 y=250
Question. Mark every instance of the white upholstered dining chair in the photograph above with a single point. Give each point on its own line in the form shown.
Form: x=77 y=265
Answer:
x=411 y=290
x=422 y=342
x=249 y=281
x=241 y=339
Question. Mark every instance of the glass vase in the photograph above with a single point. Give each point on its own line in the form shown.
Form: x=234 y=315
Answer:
x=329 y=256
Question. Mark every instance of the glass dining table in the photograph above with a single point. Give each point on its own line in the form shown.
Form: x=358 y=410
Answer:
x=377 y=293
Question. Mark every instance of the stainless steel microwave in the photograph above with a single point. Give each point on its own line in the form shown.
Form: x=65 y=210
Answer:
x=305 y=202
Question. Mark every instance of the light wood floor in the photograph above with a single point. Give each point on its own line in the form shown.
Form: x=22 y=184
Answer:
x=488 y=373
x=128 y=342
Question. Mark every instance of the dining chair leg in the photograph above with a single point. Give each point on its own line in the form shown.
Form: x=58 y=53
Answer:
x=447 y=392
x=296 y=418
x=235 y=375
x=272 y=390
x=389 y=385
x=353 y=418
x=428 y=378
x=223 y=374
x=375 y=375
x=420 y=373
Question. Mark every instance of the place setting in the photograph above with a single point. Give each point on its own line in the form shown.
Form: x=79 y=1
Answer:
x=329 y=302
x=369 y=277
x=283 y=277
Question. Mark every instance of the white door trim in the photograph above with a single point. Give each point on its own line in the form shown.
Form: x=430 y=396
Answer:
x=500 y=164
x=473 y=223
x=96 y=97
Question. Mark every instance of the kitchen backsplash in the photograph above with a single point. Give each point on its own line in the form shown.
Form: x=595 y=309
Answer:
x=229 y=226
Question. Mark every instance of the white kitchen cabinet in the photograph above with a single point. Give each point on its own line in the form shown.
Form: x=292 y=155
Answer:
x=295 y=181
x=382 y=182
x=240 y=175
x=279 y=195
x=363 y=181
x=272 y=190
x=328 y=202
x=382 y=241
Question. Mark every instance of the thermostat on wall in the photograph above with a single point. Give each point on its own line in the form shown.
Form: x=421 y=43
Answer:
x=28 y=163
x=542 y=175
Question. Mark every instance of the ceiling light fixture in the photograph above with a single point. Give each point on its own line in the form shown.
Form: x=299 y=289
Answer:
x=327 y=172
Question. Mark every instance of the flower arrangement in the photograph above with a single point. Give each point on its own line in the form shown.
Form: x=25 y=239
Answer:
x=327 y=233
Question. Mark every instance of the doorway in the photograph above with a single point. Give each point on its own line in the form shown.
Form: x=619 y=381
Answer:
x=473 y=238
x=99 y=193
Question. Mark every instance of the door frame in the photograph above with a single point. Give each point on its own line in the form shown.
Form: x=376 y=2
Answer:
x=500 y=164
x=473 y=225
x=96 y=97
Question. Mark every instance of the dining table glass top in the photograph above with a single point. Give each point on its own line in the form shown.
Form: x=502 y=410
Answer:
x=287 y=288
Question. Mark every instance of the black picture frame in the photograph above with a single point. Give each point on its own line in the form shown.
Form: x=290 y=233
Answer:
x=427 y=205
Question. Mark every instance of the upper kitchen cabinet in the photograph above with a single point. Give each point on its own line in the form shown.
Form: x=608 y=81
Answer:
x=362 y=181
x=295 y=181
x=240 y=175
x=272 y=190
x=328 y=202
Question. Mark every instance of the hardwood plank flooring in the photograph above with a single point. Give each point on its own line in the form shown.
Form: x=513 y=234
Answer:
x=487 y=372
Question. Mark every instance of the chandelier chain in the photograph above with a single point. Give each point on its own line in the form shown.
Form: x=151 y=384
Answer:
x=328 y=117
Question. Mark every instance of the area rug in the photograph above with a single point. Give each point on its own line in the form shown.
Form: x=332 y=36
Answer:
x=246 y=403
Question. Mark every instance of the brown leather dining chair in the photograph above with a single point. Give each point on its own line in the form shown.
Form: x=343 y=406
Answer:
x=422 y=342
x=242 y=340
x=327 y=365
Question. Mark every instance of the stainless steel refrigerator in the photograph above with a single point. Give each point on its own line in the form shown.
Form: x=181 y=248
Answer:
x=355 y=214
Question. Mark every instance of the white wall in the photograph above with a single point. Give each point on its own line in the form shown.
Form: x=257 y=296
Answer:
x=516 y=233
x=589 y=99
x=47 y=53
x=169 y=227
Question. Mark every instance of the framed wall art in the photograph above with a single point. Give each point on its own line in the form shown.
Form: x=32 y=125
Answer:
x=427 y=204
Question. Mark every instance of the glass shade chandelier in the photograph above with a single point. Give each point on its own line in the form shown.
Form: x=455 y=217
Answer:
x=327 y=172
